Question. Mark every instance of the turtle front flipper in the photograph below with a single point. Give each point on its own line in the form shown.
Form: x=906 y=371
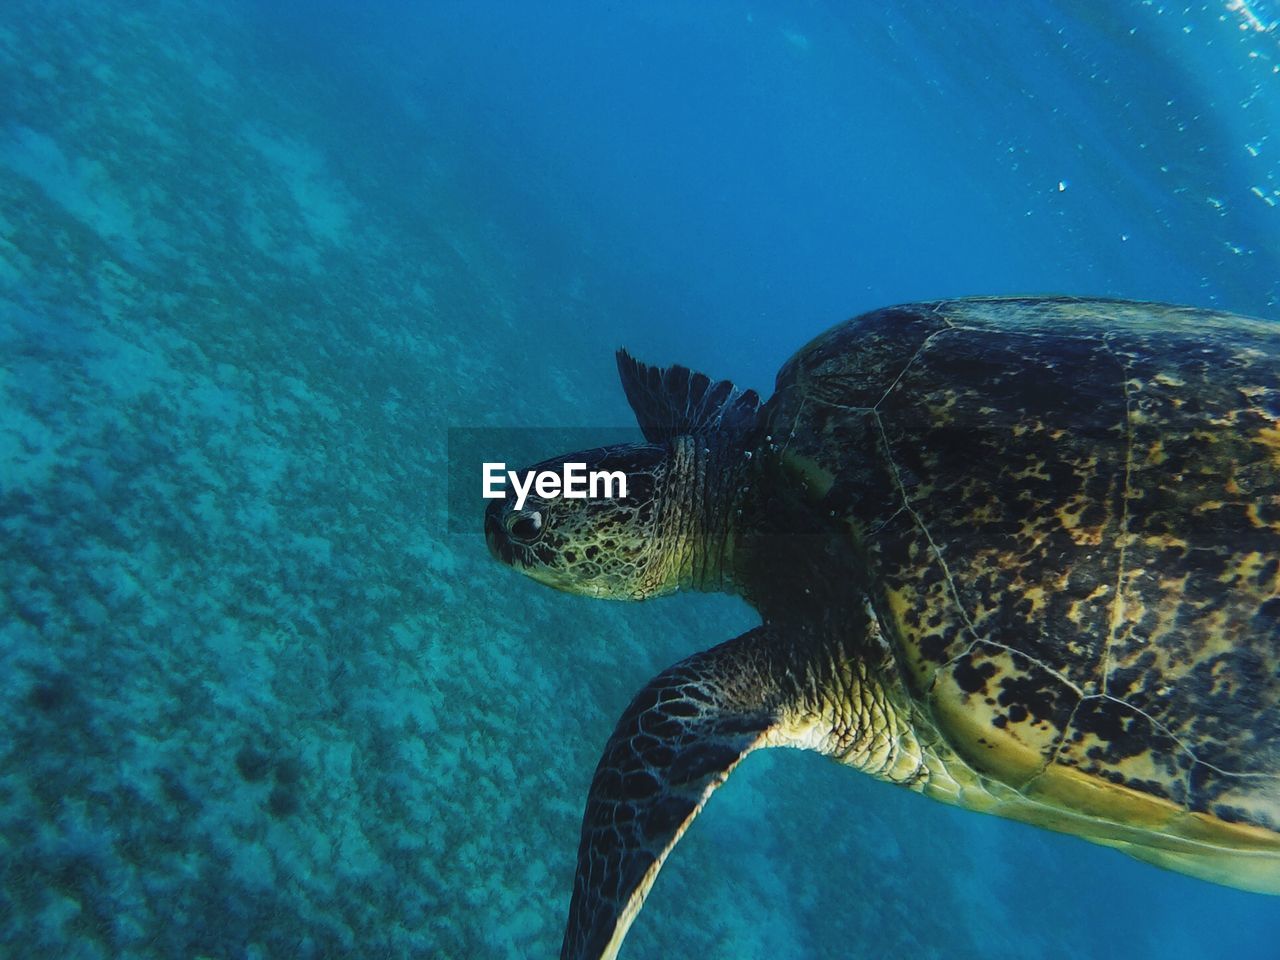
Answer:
x=676 y=743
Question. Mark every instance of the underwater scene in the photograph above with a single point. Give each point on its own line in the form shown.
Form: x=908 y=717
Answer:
x=266 y=692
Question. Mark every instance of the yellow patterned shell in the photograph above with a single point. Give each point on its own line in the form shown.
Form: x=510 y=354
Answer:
x=1070 y=514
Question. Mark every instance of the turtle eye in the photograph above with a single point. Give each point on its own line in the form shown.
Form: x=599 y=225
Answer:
x=525 y=526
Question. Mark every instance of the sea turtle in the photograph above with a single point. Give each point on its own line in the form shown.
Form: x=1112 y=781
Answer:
x=1021 y=555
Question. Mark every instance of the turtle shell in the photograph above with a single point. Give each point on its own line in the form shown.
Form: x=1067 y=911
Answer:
x=1069 y=512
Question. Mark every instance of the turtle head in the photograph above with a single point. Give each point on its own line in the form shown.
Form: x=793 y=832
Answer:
x=604 y=544
x=671 y=528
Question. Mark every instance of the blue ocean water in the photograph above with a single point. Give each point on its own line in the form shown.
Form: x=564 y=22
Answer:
x=257 y=259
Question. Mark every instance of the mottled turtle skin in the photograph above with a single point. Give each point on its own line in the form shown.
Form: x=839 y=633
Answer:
x=1021 y=555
